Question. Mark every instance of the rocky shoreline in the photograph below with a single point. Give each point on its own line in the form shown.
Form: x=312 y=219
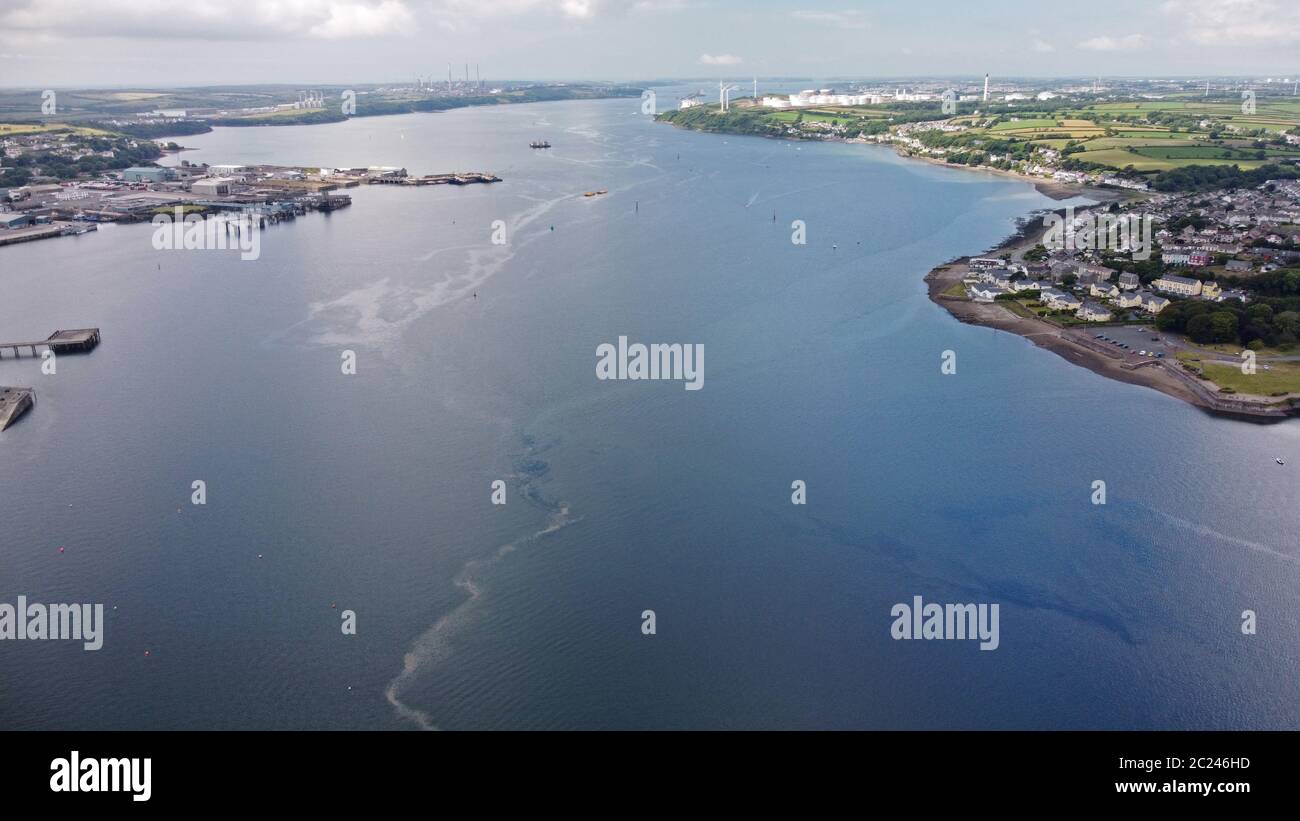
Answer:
x=1164 y=375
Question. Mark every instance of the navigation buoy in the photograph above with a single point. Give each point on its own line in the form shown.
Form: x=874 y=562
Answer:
x=146 y=652
x=259 y=555
x=60 y=550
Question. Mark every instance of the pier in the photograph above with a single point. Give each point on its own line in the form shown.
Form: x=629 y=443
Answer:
x=467 y=178
x=14 y=402
x=81 y=340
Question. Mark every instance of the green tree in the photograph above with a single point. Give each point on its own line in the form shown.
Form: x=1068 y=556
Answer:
x=1200 y=328
x=1223 y=326
x=1287 y=324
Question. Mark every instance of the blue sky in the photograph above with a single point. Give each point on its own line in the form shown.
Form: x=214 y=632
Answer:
x=123 y=42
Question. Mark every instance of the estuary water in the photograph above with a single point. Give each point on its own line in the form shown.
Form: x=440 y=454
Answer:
x=476 y=362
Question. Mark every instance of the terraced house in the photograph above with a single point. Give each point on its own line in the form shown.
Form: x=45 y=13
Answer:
x=1183 y=286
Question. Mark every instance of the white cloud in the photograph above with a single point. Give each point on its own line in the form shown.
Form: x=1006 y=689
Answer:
x=210 y=19
x=848 y=19
x=720 y=60
x=570 y=9
x=1042 y=46
x=1237 y=22
x=365 y=20
x=1128 y=42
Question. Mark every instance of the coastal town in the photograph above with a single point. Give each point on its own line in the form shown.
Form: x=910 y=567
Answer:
x=1207 y=310
x=1185 y=276
x=1199 y=202
x=47 y=206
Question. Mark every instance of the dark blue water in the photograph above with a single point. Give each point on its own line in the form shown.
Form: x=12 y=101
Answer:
x=372 y=492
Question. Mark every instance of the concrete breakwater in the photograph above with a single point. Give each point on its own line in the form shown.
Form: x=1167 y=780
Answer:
x=16 y=401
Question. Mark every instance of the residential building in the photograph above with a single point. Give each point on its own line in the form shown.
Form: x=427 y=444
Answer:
x=1093 y=312
x=1153 y=304
x=1060 y=300
x=1129 y=299
x=1184 y=286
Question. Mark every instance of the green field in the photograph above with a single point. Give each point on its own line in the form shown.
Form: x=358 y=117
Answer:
x=8 y=129
x=956 y=290
x=1019 y=124
x=1102 y=143
x=11 y=129
x=1280 y=377
x=1209 y=152
x=1119 y=158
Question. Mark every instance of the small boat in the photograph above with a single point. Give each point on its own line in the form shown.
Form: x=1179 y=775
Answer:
x=539 y=144
x=595 y=193
x=1279 y=461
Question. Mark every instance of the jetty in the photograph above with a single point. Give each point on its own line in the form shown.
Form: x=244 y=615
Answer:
x=467 y=178
x=81 y=340
x=14 y=402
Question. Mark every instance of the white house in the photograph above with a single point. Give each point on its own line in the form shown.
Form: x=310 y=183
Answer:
x=1153 y=304
x=1093 y=312
x=984 y=292
x=1129 y=299
x=1060 y=300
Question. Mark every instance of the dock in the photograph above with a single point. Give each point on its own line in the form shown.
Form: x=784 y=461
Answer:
x=14 y=402
x=467 y=178
x=81 y=340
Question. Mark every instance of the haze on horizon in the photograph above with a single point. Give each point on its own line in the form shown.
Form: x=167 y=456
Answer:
x=201 y=42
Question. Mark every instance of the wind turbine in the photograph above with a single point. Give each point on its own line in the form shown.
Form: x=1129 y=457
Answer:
x=724 y=92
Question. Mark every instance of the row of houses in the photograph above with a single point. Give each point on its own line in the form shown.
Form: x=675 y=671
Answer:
x=1085 y=305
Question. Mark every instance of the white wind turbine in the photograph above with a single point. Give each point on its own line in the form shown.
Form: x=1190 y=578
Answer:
x=724 y=92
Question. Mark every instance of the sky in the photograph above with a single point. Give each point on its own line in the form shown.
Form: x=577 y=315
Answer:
x=51 y=43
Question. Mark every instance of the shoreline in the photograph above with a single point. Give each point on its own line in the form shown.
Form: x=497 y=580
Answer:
x=1075 y=347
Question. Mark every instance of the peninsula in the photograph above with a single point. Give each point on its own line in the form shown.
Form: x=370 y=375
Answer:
x=1183 y=276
